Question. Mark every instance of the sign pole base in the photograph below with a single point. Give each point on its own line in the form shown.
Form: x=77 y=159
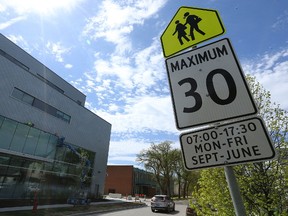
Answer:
x=234 y=191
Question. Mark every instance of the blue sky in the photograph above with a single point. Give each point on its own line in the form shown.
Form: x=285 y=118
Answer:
x=111 y=51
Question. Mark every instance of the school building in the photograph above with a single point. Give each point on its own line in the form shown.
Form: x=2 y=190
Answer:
x=128 y=180
x=50 y=144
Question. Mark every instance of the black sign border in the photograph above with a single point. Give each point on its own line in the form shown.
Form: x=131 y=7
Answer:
x=219 y=120
x=220 y=21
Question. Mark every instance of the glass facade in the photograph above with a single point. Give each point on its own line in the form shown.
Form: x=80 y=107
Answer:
x=31 y=160
x=144 y=183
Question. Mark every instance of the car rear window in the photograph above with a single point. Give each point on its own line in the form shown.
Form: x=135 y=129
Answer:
x=160 y=198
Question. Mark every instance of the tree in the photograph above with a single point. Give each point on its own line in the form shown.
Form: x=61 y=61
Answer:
x=190 y=181
x=263 y=185
x=160 y=160
x=184 y=178
x=213 y=194
x=266 y=194
x=178 y=170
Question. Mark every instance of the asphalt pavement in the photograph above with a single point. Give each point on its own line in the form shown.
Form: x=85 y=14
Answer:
x=108 y=200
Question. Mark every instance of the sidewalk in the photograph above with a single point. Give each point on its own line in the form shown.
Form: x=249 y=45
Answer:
x=110 y=201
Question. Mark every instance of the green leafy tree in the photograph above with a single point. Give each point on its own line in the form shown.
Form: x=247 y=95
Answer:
x=263 y=185
x=178 y=170
x=190 y=181
x=212 y=197
x=184 y=178
x=160 y=160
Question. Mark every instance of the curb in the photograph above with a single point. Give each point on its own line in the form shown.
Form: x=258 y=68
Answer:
x=110 y=202
x=110 y=210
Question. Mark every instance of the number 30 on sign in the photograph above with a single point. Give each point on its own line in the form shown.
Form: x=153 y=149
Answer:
x=207 y=85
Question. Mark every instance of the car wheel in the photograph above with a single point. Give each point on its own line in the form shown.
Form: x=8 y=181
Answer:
x=153 y=210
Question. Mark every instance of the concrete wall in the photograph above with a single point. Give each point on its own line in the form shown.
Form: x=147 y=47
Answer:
x=36 y=67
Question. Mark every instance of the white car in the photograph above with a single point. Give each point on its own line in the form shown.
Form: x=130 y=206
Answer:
x=162 y=203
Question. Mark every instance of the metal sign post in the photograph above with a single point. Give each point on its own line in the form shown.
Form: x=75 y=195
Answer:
x=234 y=191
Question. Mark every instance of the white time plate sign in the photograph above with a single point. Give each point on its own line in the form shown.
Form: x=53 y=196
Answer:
x=228 y=144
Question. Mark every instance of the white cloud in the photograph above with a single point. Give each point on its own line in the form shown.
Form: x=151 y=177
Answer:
x=271 y=71
x=149 y=65
x=68 y=66
x=282 y=21
x=126 y=147
x=58 y=50
x=125 y=151
x=42 y=8
x=115 y=20
x=113 y=108
x=76 y=82
x=141 y=115
x=118 y=66
x=138 y=72
x=2 y=8
x=20 y=41
x=142 y=102
x=11 y=22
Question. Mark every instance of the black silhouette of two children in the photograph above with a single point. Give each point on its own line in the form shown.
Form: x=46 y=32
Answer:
x=191 y=20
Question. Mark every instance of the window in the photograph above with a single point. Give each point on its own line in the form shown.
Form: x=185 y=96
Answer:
x=59 y=114
x=66 y=118
x=19 y=137
x=51 y=147
x=6 y=133
x=42 y=144
x=45 y=107
x=1 y=120
x=31 y=141
x=17 y=94
x=15 y=61
x=28 y=99
x=63 y=116
x=51 y=84
x=20 y=95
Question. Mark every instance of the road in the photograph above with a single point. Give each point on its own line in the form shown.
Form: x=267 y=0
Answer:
x=180 y=210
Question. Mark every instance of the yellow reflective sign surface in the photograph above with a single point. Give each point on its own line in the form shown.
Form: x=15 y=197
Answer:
x=189 y=27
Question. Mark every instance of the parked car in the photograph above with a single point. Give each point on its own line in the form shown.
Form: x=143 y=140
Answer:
x=190 y=211
x=162 y=203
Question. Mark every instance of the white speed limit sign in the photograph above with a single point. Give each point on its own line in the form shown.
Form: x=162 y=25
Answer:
x=207 y=85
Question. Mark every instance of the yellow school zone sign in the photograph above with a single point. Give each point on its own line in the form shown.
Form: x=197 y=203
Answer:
x=189 y=27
